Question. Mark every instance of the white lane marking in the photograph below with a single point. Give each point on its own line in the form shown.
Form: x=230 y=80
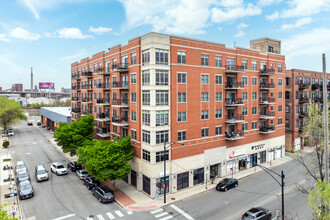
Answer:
x=119 y=213
x=167 y=217
x=64 y=217
x=88 y=218
x=110 y=215
x=130 y=212
x=155 y=211
x=28 y=153
x=161 y=214
x=100 y=217
x=31 y=218
x=182 y=212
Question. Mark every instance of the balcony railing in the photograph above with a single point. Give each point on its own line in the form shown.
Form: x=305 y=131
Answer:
x=120 y=102
x=267 y=115
x=267 y=72
x=103 y=101
x=76 y=99
x=235 y=85
x=74 y=87
x=102 y=70
x=103 y=132
x=267 y=100
x=234 y=102
x=76 y=110
x=317 y=99
x=234 y=68
x=315 y=86
x=302 y=114
x=74 y=76
x=120 y=67
x=267 y=129
x=302 y=86
x=123 y=84
x=86 y=100
x=234 y=118
x=87 y=74
x=232 y=136
x=267 y=86
x=103 y=85
x=122 y=121
x=303 y=100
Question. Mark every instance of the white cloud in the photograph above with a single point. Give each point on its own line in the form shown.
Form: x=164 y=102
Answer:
x=220 y=28
x=240 y=33
x=74 y=57
x=99 y=30
x=24 y=34
x=242 y=26
x=222 y=15
x=68 y=33
x=231 y=3
x=301 y=8
x=3 y=38
x=300 y=22
x=305 y=44
x=267 y=2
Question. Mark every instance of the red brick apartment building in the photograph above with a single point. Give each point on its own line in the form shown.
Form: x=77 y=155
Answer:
x=225 y=105
x=301 y=87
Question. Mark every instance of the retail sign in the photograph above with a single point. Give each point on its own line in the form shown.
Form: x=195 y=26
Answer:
x=258 y=147
x=236 y=153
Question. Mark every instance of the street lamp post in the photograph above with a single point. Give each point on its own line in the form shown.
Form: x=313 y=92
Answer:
x=164 y=158
x=281 y=184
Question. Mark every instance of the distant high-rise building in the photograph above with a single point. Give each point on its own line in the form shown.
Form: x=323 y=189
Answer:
x=0 y=88
x=18 y=87
x=35 y=88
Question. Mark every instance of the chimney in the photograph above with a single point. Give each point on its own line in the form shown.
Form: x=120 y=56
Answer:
x=31 y=79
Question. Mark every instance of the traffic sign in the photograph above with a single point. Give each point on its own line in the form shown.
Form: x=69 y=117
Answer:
x=164 y=185
x=13 y=209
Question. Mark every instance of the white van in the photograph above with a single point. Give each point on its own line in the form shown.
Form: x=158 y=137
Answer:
x=11 y=132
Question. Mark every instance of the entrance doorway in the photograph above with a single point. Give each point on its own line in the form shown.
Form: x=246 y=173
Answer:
x=253 y=160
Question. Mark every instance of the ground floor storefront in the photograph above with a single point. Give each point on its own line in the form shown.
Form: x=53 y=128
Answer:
x=199 y=169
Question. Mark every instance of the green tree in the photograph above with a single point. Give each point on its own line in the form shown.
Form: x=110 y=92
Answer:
x=77 y=134
x=107 y=160
x=10 y=112
x=319 y=201
x=4 y=215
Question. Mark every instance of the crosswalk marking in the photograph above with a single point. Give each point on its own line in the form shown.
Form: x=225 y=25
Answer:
x=100 y=217
x=182 y=212
x=119 y=213
x=64 y=217
x=161 y=214
x=130 y=212
x=88 y=218
x=167 y=217
x=110 y=215
x=155 y=211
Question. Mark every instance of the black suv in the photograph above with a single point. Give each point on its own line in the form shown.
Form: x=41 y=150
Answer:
x=91 y=182
x=73 y=166
x=103 y=194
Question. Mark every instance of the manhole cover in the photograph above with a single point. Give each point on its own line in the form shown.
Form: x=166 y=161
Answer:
x=91 y=216
x=171 y=213
x=172 y=198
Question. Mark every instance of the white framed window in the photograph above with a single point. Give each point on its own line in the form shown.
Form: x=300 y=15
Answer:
x=218 y=79
x=162 y=118
x=182 y=116
x=146 y=77
x=205 y=115
x=146 y=137
x=254 y=65
x=244 y=126
x=279 y=68
x=204 y=59
x=280 y=121
x=254 y=96
x=280 y=82
x=133 y=97
x=145 y=97
x=244 y=80
x=162 y=77
x=133 y=78
x=244 y=111
x=205 y=79
x=161 y=97
x=218 y=96
x=280 y=95
x=218 y=61
x=133 y=116
x=244 y=64
x=133 y=134
x=161 y=57
x=218 y=130
x=182 y=135
x=254 y=81
x=182 y=78
x=182 y=97
x=280 y=108
x=254 y=110
x=146 y=154
x=146 y=117
x=204 y=97
x=254 y=125
x=245 y=96
x=205 y=132
x=146 y=57
x=181 y=57
x=218 y=113
x=161 y=157
x=133 y=58
x=161 y=136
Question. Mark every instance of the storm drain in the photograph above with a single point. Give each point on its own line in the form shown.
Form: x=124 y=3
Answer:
x=172 y=198
x=91 y=216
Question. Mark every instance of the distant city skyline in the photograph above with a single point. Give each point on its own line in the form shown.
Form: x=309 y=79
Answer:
x=49 y=35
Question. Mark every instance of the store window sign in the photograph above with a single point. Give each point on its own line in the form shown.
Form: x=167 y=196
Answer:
x=258 y=147
x=236 y=153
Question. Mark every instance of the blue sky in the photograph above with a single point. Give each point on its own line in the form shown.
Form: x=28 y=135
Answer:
x=49 y=35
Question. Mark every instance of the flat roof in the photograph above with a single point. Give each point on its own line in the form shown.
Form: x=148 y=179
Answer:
x=66 y=111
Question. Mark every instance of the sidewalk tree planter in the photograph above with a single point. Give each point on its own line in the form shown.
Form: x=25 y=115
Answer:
x=77 y=134
x=4 y=215
x=5 y=144
x=107 y=160
x=10 y=112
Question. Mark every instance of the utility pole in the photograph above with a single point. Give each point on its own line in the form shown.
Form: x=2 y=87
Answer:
x=325 y=113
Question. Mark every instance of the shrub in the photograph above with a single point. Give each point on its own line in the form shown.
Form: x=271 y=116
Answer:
x=5 y=144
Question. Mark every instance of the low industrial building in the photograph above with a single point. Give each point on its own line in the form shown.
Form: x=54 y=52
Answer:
x=52 y=116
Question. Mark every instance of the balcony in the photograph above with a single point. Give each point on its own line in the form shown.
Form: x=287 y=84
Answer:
x=234 y=69
x=317 y=99
x=87 y=74
x=103 y=101
x=76 y=110
x=302 y=114
x=267 y=115
x=86 y=100
x=122 y=103
x=103 y=86
x=301 y=130
x=267 y=101
x=102 y=71
x=120 y=85
x=315 y=86
x=103 y=117
x=267 y=86
x=75 y=99
x=303 y=100
x=266 y=72
x=302 y=86
x=103 y=132
x=266 y=129
x=235 y=85
x=234 y=102
x=74 y=76
x=74 y=87
x=122 y=121
x=118 y=67
x=233 y=136
x=231 y=119
x=328 y=87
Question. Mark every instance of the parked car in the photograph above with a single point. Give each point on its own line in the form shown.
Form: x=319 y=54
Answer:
x=22 y=176
x=11 y=132
x=39 y=123
x=25 y=190
x=20 y=166
x=227 y=183
x=91 y=182
x=103 y=194
x=257 y=213
x=41 y=173
x=3 y=133
x=29 y=123
x=73 y=166
x=58 y=168
x=81 y=174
